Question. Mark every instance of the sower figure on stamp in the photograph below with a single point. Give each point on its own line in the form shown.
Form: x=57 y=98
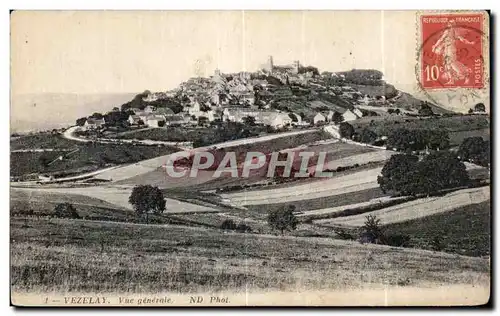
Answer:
x=446 y=47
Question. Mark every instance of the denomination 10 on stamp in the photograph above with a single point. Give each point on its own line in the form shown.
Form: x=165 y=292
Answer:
x=452 y=51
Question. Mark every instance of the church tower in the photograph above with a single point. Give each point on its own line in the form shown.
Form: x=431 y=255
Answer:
x=296 y=66
x=270 y=65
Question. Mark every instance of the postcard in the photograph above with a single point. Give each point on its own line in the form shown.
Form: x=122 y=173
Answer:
x=250 y=158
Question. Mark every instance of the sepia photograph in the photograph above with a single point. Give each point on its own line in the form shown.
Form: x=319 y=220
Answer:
x=250 y=158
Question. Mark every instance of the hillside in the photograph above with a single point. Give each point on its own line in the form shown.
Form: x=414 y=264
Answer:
x=150 y=258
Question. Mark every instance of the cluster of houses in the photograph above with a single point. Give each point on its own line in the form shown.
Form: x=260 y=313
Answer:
x=270 y=118
x=156 y=117
x=232 y=97
x=93 y=123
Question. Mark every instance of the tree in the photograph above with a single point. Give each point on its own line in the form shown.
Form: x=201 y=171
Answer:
x=161 y=123
x=396 y=173
x=176 y=107
x=368 y=136
x=438 y=171
x=147 y=199
x=346 y=130
x=97 y=115
x=81 y=121
x=475 y=150
x=406 y=175
x=437 y=139
x=372 y=230
x=425 y=109
x=66 y=210
x=283 y=219
x=116 y=118
x=311 y=69
x=202 y=121
x=479 y=107
x=249 y=120
x=403 y=139
x=337 y=117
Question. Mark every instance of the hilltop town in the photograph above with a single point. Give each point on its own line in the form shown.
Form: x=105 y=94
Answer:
x=278 y=97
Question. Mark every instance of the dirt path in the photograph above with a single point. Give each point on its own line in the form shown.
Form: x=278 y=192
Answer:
x=362 y=180
x=145 y=166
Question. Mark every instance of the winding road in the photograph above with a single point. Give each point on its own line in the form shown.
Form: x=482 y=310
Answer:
x=70 y=134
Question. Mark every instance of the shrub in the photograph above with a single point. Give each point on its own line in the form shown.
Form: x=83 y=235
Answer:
x=283 y=219
x=396 y=240
x=66 y=210
x=346 y=130
x=228 y=224
x=367 y=136
x=243 y=228
x=345 y=234
x=372 y=230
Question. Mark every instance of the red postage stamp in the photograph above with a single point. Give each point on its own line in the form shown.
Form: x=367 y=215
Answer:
x=452 y=51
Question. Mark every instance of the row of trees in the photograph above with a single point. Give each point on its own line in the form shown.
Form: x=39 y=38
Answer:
x=406 y=175
x=116 y=117
x=137 y=102
x=366 y=135
x=403 y=139
x=478 y=108
x=363 y=76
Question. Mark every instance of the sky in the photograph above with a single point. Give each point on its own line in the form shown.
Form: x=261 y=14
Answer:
x=109 y=52
x=90 y=52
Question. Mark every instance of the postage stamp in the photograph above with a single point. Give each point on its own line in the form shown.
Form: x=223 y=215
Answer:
x=452 y=51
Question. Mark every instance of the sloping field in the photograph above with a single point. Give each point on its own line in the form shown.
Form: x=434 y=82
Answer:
x=363 y=180
x=38 y=197
x=151 y=165
x=417 y=209
x=337 y=209
x=334 y=150
x=318 y=204
x=371 y=156
x=465 y=230
x=118 y=197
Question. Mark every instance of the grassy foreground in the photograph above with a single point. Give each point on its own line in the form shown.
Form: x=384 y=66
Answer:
x=91 y=256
